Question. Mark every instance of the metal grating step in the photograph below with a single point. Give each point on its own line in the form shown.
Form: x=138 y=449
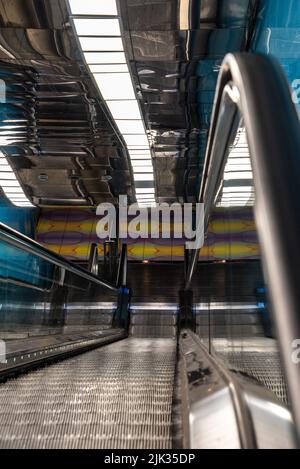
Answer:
x=265 y=367
x=118 y=396
x=153 y=320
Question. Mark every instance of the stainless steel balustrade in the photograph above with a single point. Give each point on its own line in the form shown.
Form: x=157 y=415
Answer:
x=26 y=244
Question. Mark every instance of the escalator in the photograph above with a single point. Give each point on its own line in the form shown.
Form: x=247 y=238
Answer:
x=91 y=364
x=117 y=396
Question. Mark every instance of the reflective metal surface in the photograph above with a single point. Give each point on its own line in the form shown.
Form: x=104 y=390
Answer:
x=54 y=127
x=176 y=48
x=226 y=410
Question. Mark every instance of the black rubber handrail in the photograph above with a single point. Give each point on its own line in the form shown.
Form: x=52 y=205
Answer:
x=254 y=86
x=26 y=244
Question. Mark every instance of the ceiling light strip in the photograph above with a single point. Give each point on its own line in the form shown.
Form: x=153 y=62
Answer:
x=97 y=25
x=237 y=189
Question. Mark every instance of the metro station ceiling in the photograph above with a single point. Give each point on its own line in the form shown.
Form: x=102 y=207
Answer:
x=56 y=130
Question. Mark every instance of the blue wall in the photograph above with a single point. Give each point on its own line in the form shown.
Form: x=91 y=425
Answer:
x=278 y=34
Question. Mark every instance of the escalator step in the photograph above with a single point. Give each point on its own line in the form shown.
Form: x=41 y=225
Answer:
x=118 y=396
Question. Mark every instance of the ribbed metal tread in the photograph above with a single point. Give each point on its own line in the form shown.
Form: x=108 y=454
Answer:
x=118 y=396
x=264 y=367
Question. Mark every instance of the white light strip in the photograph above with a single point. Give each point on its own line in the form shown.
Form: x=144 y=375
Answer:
x=115 y=85
x=94 y=58
x=99 y=34
x=97 y=26
x=10 y=184
x=93 y=7
x=109 y=68
x=143 y=177
x=131 y=126
x=124 y=109
x=142 y=169
x=103 y=44
x=144 y=190
x=141 y=163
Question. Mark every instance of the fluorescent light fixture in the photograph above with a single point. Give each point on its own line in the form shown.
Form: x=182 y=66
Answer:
x=238 y=167
x=109 y=68
x=93 y=7
x=238 y=160
x=98 y=44
x=8 y=175
x=97 y=26
x=144 y=177
x=137 y=156
x=238 y=175
x=147 y=204
x=115 y=85
x=104 y=58
x=4 y=167
x=237 y=197
x=143 y=169
x=144 y=196
x=131 y=126
x=143 y=151
x=14 y=190
x=5 y=183
x=103 y=49
x=141 y=163
x=124 y=109
x=135 y=147
x=238 y=189
x=136 y=140
x=21 y=198
x=144 y=190
x=10 y=184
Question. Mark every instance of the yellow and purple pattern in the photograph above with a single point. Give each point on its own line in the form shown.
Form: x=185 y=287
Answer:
x=70 y=233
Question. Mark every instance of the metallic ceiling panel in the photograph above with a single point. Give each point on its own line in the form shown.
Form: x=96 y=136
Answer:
x=175 y=47
x=54 y=122
x=57 y=120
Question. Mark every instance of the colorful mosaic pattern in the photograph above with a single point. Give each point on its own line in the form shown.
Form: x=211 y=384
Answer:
x=70 y=233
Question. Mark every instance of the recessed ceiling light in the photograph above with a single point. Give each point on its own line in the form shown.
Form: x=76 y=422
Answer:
x=238 y=175
x=104 y=57
x=144 y=190
x=141 y=163
x=143 y=151
x=144 y=196
x=138 y=140
x=109 y=68
x=5 y=183
x=115 y=86
x=131 y=126
x=144 y=177
x=142 y=169
x=97 y=26
x=93 y=7
x=4 y=167
x=238 y=189
x=98 y=44
x=140 y=157
x=127 y=109
x=8 y=175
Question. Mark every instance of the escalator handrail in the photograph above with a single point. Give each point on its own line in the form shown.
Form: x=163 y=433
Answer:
x=258 y=88
x=20 y=241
